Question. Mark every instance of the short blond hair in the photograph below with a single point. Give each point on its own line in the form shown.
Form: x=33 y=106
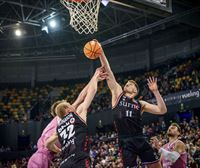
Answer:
x=53 y=107
x=61 y=109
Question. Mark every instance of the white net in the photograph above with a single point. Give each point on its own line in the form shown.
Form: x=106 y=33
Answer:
x=83 y=14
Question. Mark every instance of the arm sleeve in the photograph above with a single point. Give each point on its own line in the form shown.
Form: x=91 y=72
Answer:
x=172 y=156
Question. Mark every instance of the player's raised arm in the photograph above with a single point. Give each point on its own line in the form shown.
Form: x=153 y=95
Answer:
x=81 y=97
x=160 y=108
x=91 y=91
x=113 y=85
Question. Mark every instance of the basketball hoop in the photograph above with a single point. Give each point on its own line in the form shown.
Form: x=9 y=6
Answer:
x=83 y=14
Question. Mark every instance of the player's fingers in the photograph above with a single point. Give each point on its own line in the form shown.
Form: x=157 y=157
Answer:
x=103 y=69
x=104 y=76
x=151 y=79
x=104 y=73
x=101 y=78
x=99 y=69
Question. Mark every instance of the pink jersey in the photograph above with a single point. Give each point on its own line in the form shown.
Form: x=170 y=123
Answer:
x=181 y=162
x=48 y=131
x=42 y=157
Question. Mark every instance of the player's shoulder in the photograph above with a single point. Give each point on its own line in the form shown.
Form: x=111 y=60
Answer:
x=180 y=143
x=143 y=103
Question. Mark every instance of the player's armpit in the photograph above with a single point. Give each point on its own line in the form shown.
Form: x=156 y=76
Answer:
x=114 y=87
x=116 y=96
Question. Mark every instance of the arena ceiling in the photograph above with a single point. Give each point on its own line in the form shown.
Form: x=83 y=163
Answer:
x=115 y=23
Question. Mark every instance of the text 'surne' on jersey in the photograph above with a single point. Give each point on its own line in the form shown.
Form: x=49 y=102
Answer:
x=128 y=116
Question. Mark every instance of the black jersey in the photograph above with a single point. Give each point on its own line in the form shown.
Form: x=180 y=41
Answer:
x=73 y=135
x=128 y=116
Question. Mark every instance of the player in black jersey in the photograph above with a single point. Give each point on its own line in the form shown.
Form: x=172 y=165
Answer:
x=72 y=131
x=128 y=113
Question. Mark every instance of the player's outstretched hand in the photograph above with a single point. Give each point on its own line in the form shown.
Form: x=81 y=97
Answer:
x=155 y=143
x=152 y=83
x=100 y=74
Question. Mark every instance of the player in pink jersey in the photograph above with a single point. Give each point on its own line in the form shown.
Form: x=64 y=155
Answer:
x=43 y=156
x=173 y=154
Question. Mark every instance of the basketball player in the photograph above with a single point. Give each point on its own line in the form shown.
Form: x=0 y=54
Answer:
x=128 y=117
x=72 y=131
x=173 y=154
x=43 y=156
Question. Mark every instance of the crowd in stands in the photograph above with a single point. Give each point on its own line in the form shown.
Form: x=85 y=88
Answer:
x=105 y=153
x=105 y=150
x=17 y=104
x=18 y=163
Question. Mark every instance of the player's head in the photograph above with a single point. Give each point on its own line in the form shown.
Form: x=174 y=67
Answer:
x=63 y=109
x=131 y=87
x=54 y=105
x=174 y=130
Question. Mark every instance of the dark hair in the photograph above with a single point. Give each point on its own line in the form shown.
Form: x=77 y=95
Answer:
x=176 y=125
x=54 y=105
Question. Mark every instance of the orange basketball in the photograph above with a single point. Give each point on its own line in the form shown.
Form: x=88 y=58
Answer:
x=92 y=49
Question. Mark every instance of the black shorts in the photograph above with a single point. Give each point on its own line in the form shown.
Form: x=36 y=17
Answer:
x=75 y=160
x=132 y=147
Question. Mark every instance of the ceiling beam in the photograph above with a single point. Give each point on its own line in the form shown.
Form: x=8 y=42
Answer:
x=152 y=25
x=30 y=13
x=35 y=23
x=25 y=5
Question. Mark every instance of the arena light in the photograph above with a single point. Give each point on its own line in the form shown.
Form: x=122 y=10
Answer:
x=45 y=28
x=105 y=2
x=18 y=32
x=52 y=23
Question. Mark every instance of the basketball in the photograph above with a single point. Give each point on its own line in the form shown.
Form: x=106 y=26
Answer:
x=92 y=49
